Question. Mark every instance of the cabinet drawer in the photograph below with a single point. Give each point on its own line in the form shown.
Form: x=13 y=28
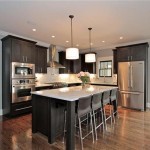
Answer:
x=20 y=108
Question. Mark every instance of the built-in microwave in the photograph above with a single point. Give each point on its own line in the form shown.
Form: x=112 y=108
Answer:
x=23 y=70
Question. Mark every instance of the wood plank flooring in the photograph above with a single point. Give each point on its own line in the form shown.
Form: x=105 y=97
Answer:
x=130 y=132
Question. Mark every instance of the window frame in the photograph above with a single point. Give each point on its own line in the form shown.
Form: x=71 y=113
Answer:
x=100 y=69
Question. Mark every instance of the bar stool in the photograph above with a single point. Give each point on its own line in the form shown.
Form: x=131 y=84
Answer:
x=106 y=101
x=83 y=110
x=114 y=102
x=97 y=108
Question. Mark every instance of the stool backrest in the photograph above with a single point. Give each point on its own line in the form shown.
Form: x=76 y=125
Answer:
x=97 y=101
x=84 y=106
x=113 y=94
x=106 y=97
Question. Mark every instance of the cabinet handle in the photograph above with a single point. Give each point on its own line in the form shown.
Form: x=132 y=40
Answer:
x=26 y=59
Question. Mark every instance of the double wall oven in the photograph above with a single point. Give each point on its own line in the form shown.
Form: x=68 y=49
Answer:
x=23 y=82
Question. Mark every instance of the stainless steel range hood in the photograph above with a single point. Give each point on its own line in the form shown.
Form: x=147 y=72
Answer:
x=52 y=63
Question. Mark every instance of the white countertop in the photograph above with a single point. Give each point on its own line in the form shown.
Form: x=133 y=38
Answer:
x=73 y=93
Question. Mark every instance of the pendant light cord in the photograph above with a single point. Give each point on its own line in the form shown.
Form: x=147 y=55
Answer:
x=90 y=37
x=71 y=16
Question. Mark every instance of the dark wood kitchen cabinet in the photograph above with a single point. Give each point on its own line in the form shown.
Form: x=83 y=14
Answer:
x=136 y=52
x=41 y=59
x=87 y=67
x=13 y=48
x=65 y=62
x=72 y=66
x=21 y=50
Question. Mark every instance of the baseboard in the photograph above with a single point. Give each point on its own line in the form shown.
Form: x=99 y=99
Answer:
x=148 y=105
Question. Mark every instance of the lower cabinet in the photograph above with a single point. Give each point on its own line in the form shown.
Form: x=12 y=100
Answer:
x=21 y=108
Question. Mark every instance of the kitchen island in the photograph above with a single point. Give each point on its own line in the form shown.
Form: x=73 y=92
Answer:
x=45 y=113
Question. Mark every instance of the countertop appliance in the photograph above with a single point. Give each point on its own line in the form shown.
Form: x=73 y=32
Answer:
x=131 y=84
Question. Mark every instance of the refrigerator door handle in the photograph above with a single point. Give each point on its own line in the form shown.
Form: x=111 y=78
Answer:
x=131 y=76
x=135 y=93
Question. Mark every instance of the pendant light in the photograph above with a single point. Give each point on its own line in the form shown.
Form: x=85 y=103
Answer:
x=72 y=53
x=90 y=57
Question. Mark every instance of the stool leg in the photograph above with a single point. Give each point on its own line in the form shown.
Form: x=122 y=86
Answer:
x=95 y=124
x=105 y=118
x=80 y=131
x=102 y=117
x=92 y=126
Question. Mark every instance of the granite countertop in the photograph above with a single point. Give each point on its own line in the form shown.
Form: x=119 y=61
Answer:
x=94 y=82
x=73 y=93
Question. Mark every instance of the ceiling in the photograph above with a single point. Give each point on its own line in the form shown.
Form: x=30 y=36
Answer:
x=109 y=19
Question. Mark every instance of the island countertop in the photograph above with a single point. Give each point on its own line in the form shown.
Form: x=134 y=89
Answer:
x=73 y=93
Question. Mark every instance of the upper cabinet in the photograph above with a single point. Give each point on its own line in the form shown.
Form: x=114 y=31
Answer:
x=137 y=52
x=75 y=66
x=41 y=59
x=87 y=67
x=65 y=62
x=21 y=50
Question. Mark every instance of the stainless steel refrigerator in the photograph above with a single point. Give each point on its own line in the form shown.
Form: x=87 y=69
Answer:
x=131 y=84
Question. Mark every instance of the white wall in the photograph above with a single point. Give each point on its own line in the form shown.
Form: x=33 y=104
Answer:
x=0 y=77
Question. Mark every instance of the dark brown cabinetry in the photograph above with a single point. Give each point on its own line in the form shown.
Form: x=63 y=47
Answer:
x=41 y=59
x=75 y=66
x=72 y=66
x=87 y=67
x=21 y=50
x=137 y=52
x=14 y=49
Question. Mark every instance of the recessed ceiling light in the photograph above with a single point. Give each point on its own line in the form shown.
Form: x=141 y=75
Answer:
x=34 y=30
x=53 y=36
x=67 y=41
x=103 y=41
x=121 y=37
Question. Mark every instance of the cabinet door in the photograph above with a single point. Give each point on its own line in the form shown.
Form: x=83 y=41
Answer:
x=138 y=53
x=28 y=52
x=67 y=63
x=115 y=62
x=87 y=67
x=16 y=50
x=77 y=65
x=123 y=54
x=41 y=60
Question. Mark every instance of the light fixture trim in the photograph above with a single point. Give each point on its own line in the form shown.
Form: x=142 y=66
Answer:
x=33 y=29
x=90 y=57
x=72 y=53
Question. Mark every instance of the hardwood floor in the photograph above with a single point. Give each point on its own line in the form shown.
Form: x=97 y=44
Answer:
x=130 y=132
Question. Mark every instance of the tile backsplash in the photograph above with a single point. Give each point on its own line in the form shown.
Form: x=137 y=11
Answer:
x=53 y=76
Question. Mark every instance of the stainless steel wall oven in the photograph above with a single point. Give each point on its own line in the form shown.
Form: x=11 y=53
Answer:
x=21 y=89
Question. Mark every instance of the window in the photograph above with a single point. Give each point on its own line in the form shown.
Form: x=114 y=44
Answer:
x=105 y=68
